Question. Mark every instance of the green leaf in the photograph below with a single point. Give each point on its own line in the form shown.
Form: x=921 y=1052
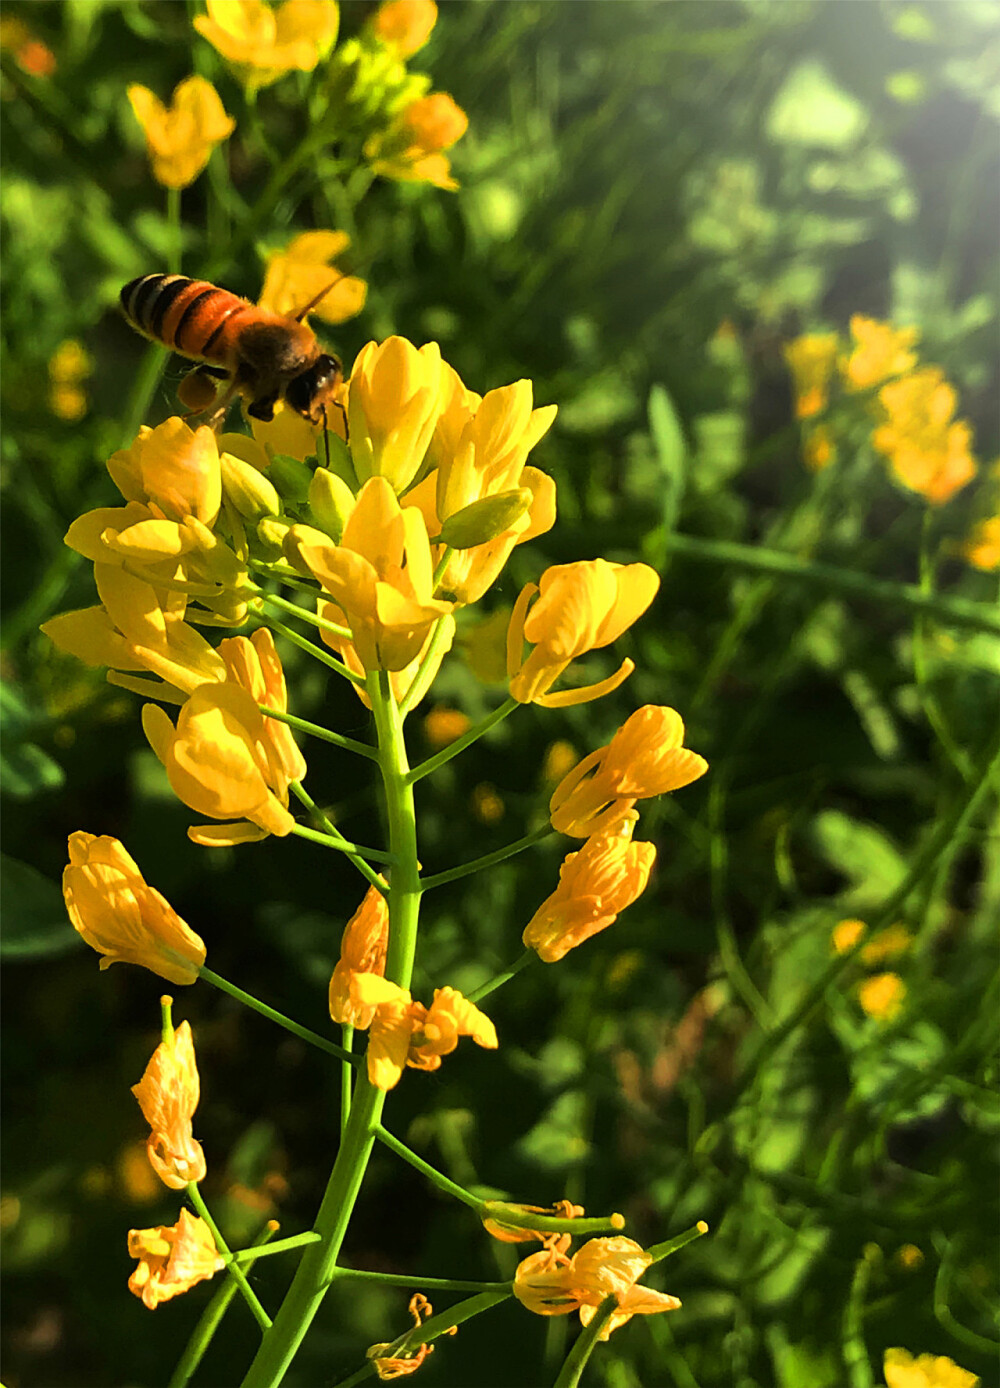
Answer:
x=811 y=109
x=33 y=913
x=862 y=853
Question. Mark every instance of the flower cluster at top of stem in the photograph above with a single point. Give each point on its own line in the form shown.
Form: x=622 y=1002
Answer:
x=905 y=1370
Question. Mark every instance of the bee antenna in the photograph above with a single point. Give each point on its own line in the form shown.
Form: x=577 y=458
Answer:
x=317 y=300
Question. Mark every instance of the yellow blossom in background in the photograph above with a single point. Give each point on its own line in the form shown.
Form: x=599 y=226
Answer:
x=882 y=996
x=393 y=403
x=443 y=726
x=136 y=1180
x=607 y=874
x=879 y=351
x=180 y=137
x=172 y=1259
x=644 y=758
x=982 y=547
x=30 y=53
x=405 y=25
x=846 y=935
x=168 y=1096
x=811 y=360
x=581 y=607
x=818 y=449
x=909 y=1256
x=902 y=1370
x=69 y=365
x=412 y=150
x=394 y=1360
x=551 y=1284
x=560 y=758
x=484 y=645
x=262 y=43
x=121 y=917
x=928 y=451
x=296 y=275
x=487 y=803
x=887 y=944
x=362 y=950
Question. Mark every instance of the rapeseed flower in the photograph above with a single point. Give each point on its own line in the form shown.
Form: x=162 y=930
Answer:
x=811 y=359
x=581 y=607
x=126 y=921
x=882 y=996
x=846 y=935
x=172 y=1259
x=296 y=275
x=646 y=757
x=180 y=137
x=442 y=726
x=363 y=949
x=69 y=366
x=879 y=351
x=596 y=883
x=404 y=1032
x=263 y=44
x=394 y=1359
x=509 y=1232
x=404 y=25
x=394 y=401
x=550 y=1283
x=928 y=450
x=982 y=547
x=168 y=1096
x=412 y=149
x=902 y=1370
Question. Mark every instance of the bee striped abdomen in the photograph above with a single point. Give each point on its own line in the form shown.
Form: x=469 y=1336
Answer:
x=188 y=315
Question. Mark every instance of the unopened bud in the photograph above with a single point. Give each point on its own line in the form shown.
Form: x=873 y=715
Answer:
x=291 y=477
x=298 y=536
x=248 y=490
x=485 y=519
x=271 y=532
x=331 y=502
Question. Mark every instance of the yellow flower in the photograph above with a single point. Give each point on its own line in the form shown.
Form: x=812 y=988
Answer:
x=263 y=44
x=882 y=996
x=393 y=403
x=168 y=1096
x=581 y=607
x=180 y=138
x=846 y=935
x=902 y=1370
x=362 y=950
x=224 y=758
x=405 y=25
x=818 y=449
x=982 y=548
x=487 y=804
x=174 y=470
x=443 y=726
x=380 y=577
x=644 y=758
x=811 y=359
x=910 y=1257
x=411 y=151
x=302 y=270
x=121 y=917
x=441 y=635
x=551 y=1284
x=172 y=1259
x=68 y=366
x=607 y=874
x=888 y=943
x=404 y=1032
x=879 y=352
x=508 y=1232
x=394 y=1359
x=928 y=451
x=560 y=758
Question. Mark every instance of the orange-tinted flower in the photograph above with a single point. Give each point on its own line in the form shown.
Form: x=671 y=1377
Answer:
x=928 y=451
x=296 y=275
x=394 y=1359
x=263 y=44
x=405 y=25
x=412 y=150
x=607 y=874
x=449 y=1016
x=168 y=1096
x=362 y=950
x=581 y=607
x=551 y=1284
x=887 y=944
x=121 y=917
x=882 y=996
x=508 y=1232
x=902 y=1370
x=443 y=726
x=181 y=137
x=846 y=935
x=646 y=757
x=404 y=1032
x=879 y=351
x=172 y=1259
x=982 y=548
x=811 y=359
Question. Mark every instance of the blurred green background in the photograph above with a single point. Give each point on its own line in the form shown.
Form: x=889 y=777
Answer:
x=636 y=177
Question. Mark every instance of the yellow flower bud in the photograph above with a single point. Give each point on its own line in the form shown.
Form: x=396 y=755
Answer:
x=168 y=1096
x=486 y=519
x=331 y=502
x=248 y=490
x=393 y=404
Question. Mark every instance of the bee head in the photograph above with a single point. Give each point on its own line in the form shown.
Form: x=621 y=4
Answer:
x=313 y=389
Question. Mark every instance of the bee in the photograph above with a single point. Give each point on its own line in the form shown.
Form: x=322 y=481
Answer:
x=265 y=357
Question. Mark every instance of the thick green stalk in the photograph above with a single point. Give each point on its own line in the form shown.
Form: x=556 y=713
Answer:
x=316 y=1271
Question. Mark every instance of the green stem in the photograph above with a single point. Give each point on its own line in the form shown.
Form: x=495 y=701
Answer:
x=485 y=989
x=303 y=1033
x=232 y=1267
x=313 y=618
x=433 y=1284
x=488 y=859
x=428 y=664
x=282 y=1246
x=959 y=612
x=377 y=855
x=659 y=1251
x=346 y=1079
x=441 y=566
x=430 y=1330
x=204 y=1331
x=315 y=730
x=586 y=1343
x=855 y=1353
x=436 y=1177
x=317 y=652
x=459 y=745
x=174 y=232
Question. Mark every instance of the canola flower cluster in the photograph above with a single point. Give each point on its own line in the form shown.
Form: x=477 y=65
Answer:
x=403 y=127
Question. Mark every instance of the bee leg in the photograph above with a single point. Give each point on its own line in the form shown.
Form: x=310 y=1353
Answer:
x=263 y=409
x=199 y=388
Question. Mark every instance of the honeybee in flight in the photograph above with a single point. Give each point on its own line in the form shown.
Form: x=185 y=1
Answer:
x=265 y=357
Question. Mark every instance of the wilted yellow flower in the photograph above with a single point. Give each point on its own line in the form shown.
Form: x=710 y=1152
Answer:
x=644 y=758
x=172 y=1259
x=811 y=359
x=902 y=1370
x=846 y=935
x=443 y=726
x=380 y=576
x=581 y=607
x=404 y=1032
x=362 y=950
x=180 y=138
x=982 y=548
x=168 y=1096
x=509 y=1232
x=405 y=25
x=551 y=1284
x=296 y=275
x=449 y=1016
x=263 y=44
x=392 y=1360
x=607 y=874
x=928 y=451
x=121 y=917
x=412 y=150
x=393 y=403
x=879 y=352
x=882 y=996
